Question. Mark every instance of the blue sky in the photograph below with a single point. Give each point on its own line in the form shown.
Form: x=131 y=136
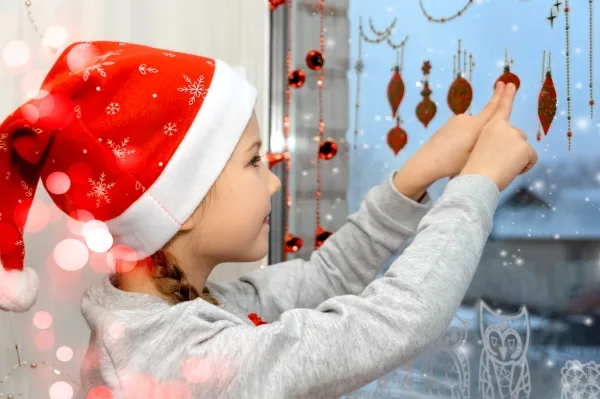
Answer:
x=485 y=29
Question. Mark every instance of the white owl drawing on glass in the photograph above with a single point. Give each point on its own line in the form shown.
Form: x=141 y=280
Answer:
x=503 y=369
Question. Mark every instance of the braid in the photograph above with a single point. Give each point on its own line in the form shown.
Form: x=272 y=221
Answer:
x=172 y=282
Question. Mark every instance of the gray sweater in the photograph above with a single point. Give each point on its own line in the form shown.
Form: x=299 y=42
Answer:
x=330 y=328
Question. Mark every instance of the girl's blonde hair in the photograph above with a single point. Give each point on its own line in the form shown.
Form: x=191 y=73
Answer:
x=171 y=281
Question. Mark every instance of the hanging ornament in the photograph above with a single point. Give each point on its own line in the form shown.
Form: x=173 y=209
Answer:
x=591 y=57
x=277 y=157
x=359 y=66
x=292 y=243
x=273 y=4
x=460 y=93
x=296 y=78
x=446 y=19
x=547 y=101
x=395 y=90
x=508 y=77
x=320 y=236
x=397 y=138
x=315 y=60
x=568 y=73
x=426 y=109
x=327 y=149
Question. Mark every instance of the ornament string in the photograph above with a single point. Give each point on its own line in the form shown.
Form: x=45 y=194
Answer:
x=320 y=106
x=591 y=57
x=286 y=126
x=568 y=70
x=33 y=366
x=446 y=19
x=359 y=66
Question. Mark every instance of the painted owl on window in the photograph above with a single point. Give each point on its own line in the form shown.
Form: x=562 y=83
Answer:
x=503 y=370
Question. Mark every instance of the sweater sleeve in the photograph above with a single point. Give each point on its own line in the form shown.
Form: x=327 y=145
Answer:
x=349 y=341
x=348 y=261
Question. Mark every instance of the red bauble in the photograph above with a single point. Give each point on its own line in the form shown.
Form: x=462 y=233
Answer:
x=296 y=78
x=273 y=4
x=460 y=95
x=547 y=103
x=315 y=60
x=397 y=138
x=320 y=236
x=509 y=77
x=327 y=149
x=426 y=109
x=292 y=243
x=275 y=158
x=395 y=91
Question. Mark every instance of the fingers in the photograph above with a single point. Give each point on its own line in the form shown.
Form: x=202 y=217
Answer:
x=487 y=111
x=506 y=103
x=533 y=158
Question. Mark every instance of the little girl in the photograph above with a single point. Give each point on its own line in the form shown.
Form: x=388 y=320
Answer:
x=163 y=147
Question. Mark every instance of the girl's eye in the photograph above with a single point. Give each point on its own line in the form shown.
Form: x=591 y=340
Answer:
x=256 y=161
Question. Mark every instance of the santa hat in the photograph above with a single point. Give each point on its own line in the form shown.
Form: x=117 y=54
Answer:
x=138 y=134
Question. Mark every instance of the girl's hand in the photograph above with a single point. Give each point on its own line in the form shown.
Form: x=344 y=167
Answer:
x=447 y=151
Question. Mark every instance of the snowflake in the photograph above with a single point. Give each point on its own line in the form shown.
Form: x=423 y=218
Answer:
x=28 y=190
x=170 y=128
x=210 y=63
x=146 y=69
x=4 y=142
x=100 y=190
x=113 y=108
x=171 y=55
x=103 y=57
x=87 y=72
x=195 y=89
x=120 y=150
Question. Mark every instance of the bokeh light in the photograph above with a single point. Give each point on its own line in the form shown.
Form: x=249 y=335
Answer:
x=55 y=36
x=77 y=220
x=60 y=390
x=31 y=83
x=38 y=217
x=58 y=183
x=44 y=340
x=16 y=54
x=121 y=259
x=71 y=254
x=100 y=392
x=42 y=320
x=97 y=236
x=64 y=354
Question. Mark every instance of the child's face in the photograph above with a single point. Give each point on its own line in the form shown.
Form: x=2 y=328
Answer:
x=232 y=226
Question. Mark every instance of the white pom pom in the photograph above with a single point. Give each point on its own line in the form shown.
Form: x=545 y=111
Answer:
x=18 y=289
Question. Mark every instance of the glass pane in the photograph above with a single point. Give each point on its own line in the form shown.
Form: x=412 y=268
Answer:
x=528 y=324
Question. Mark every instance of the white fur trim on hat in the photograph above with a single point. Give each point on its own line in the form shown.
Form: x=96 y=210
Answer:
x=18 y=289
x=155 y=218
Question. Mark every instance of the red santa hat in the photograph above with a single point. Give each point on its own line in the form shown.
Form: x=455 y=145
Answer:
x=139 y=134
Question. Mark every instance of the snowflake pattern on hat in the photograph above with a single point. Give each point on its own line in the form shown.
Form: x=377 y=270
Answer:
x=116 y=122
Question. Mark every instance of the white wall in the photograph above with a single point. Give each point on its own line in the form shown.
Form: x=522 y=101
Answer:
x=235 y=31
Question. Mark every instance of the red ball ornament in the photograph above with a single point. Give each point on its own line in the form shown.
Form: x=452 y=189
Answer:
x=275 y=158
x=292 y=243
x=327 y=149
x=273 y=4
x=296 y=78
x=397 y=138
x=315 y=60
x=320 y=236
x=460 y=95
x=509 y=77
